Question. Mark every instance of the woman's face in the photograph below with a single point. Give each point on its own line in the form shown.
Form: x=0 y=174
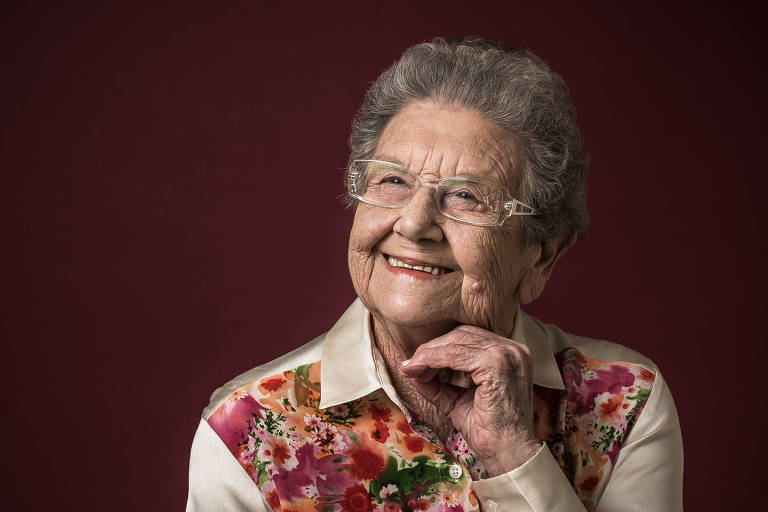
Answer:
x=486 y=264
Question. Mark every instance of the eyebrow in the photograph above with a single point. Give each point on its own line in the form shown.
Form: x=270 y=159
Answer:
x=394 y=160
x=389 y=158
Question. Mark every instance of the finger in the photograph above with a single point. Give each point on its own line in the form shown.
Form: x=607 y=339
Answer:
x=444 y=397
x=471 y=336
x=443 y=376
x=457 y=378
x=470 y=360
x=422 y=373
x=436 y=357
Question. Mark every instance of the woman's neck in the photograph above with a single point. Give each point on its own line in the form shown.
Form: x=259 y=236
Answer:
x=402 y=341
x=396 y=345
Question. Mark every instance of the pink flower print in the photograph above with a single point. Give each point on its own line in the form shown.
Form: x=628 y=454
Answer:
x=610 y=381
x=324 y=434
x=339 y=443
x=616 y=377
x=449 y=499
x=332 y=476
x=277 y=451
x=313 y=422
x=387 y=491
x=573 y=364
x=458 y=445
x=340 y=410
x=425 y=432
x=248 y=451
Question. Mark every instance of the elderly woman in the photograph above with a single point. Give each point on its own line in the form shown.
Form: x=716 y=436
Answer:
x=434 y=390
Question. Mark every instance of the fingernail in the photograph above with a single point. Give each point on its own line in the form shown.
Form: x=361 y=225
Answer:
x=406 y=362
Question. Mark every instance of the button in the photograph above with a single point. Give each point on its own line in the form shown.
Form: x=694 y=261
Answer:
x=454 y=471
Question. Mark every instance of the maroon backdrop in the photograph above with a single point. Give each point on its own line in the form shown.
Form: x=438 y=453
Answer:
x=171 y=183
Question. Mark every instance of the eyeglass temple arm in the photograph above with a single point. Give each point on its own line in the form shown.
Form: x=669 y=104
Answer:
x=515 y=207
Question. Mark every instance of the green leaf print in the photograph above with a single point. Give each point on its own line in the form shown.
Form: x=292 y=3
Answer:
x=641 y=395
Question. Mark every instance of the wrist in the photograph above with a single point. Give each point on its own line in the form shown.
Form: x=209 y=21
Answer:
x=509 y=460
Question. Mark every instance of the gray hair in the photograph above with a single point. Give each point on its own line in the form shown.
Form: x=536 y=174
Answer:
x=511 y=87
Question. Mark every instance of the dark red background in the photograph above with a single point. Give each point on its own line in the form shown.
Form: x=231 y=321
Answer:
x=171 y=183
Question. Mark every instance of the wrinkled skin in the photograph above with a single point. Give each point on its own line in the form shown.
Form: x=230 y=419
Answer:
x=459 y=321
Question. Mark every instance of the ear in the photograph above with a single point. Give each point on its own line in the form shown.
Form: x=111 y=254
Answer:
x=549 y=253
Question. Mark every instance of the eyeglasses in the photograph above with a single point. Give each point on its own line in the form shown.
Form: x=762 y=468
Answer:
x=459 y=198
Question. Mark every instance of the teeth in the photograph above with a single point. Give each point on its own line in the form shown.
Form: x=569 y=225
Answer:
x=435 y=271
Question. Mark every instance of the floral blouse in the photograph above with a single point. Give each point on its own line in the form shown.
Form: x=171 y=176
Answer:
x=370 y=453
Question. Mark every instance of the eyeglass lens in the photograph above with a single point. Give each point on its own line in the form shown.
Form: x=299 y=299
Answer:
x=461 y=198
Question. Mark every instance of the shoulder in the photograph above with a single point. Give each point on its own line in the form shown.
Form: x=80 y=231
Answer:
x=306 y=354
x=612 y=403
x=600 y=351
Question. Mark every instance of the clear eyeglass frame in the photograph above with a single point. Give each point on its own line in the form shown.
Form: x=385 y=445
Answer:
x=509 y=206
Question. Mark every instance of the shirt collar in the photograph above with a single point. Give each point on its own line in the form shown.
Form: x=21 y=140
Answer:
x=352 y=366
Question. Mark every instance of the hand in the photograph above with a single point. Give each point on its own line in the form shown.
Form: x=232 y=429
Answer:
x=495 y=412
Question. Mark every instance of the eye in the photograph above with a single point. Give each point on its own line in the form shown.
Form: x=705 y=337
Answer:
x=393 y=180
x=467 y=196
x=464 y=197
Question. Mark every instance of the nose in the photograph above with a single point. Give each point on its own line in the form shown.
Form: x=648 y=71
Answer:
x=419 y=218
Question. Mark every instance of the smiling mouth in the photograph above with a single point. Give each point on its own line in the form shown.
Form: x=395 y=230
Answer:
x=427 y=269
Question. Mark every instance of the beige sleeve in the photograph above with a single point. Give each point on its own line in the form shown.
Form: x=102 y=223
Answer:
x=648 y=474
x=539 y=485
x=216 y=481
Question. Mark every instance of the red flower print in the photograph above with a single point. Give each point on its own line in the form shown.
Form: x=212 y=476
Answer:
x=646 y=375
x=273 y=384
x=273 y=499
x=590 y=483
x=391 y=506
x=277 y=451
x=280 y=454
x=612 y=404
x=423 y=504
x=380 y=432
x=356 y=499
x=379 y=414
x=609 y=410
x=414 y=443
x=404 y=427
x=238 y=394
x=366 y=465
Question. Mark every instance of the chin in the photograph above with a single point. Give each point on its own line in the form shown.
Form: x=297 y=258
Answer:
x=412 y=314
